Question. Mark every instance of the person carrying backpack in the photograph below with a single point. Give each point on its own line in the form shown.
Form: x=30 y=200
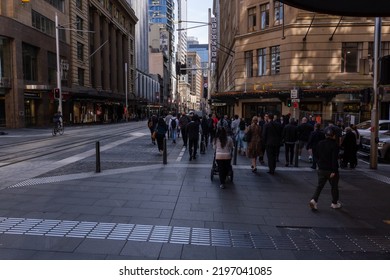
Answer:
x=173 y=124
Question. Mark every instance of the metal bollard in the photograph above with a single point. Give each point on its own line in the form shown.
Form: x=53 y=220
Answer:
x=97 y=157
x=165 y=151
x=235 y=153
x=296 y=154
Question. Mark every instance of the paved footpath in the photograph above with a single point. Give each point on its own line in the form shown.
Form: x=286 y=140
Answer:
x=175 y=211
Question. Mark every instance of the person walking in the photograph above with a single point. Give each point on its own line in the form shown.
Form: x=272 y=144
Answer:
x=223 y=146
x=205 y=131
x=173 y=125
x=152 y=123
x=289 y=138
x=193 y=130
x=241 y=144
x=161 y=131
x=315 y=137
x=304 y=130
x=253 y=137
x=350 y=149
x=183 y=121
x=328 y=169
x=272 y=137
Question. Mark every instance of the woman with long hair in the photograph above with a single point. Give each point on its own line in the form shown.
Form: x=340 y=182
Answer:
x=223 y=146
x=254 y=143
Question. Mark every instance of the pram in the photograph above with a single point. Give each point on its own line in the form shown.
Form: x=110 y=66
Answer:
x=214 y=170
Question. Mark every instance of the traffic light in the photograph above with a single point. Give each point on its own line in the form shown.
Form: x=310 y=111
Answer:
x=57 y=93
x=288 y=102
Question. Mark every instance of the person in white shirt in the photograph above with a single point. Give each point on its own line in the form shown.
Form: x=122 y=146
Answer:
x=223 y=146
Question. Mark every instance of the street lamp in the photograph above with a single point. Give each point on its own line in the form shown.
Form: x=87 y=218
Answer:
x=58 y=66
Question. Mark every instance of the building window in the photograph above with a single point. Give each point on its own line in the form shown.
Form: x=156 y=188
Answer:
x=264 y=16
x=59 y=4
x=249 y=64
x=80 y=76
x=80 y=51
x=79 y=4
x=385 y=49
x=52 y=68
x=251 y=19
x=278 y=13
x=42 y=23
x=30 y=62
x=275 y=60
x=79 y=25
x=261 y=62
x=351 y=53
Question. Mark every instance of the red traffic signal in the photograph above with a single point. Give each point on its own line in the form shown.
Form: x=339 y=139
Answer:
x=295 y=104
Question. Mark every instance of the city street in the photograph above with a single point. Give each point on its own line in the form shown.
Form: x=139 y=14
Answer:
x=54 y=205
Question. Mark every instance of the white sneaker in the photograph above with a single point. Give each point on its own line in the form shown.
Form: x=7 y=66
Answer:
x=313 y=204
x=222 y=186
x=336 y=205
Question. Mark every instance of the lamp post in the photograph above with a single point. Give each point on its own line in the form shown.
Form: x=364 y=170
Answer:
x=127 y=106
x=58 y=66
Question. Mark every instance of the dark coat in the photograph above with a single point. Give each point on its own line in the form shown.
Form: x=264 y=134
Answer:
x=304 y=131
x=327 y=154
x=290 y=134
x=193 y=129
x=272 y=134
x=315 y=137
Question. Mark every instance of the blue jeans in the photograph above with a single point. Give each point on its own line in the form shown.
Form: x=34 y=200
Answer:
x=174 y=134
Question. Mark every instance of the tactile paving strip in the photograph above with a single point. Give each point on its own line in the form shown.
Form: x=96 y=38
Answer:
x=193 y=236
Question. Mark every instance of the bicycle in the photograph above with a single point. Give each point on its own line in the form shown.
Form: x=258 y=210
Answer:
x=58 y=128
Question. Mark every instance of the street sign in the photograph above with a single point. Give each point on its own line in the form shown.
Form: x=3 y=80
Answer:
x=295 y=100
x=294 y=94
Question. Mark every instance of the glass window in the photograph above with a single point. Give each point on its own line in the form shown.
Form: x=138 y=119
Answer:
x=264 y=16
x=80 y=76
x=278 y=13
x=79 y=24
x=249 y=64
x=275 y=60
x=351 y=53
x=59 y=4
x=30 y=62
x=261 y=62
x=251 y=19
x=80 y=51
x=79 y=4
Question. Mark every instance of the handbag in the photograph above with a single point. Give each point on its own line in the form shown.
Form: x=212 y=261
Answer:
x=154 y=135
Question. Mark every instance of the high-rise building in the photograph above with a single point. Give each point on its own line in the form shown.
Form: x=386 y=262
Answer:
x=161 y=48
x=146 y=85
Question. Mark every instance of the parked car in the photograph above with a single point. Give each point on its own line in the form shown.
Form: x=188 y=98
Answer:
x=383 y=146
x=364 y=128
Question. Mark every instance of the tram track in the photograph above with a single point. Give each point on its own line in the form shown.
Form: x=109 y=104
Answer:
x=44 y=147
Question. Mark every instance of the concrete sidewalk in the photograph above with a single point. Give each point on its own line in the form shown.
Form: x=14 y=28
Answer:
x=175 y=211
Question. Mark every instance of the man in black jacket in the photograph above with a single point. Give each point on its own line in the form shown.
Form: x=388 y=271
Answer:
x=328 y=168
x=193 y=130
x=290 y=136
x=272 y=138
x=304 y=130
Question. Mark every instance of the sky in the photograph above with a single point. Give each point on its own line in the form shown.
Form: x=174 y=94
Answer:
x=198 y=10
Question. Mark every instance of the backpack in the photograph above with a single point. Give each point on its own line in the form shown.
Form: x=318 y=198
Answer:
x=173 y=123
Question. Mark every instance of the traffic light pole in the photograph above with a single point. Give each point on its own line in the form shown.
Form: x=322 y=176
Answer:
x=58 y=66
x=374 y=111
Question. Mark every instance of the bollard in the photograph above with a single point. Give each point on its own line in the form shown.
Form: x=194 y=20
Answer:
x=97 y=157
x=296 y=150
x=235 y=153
x=164 y=151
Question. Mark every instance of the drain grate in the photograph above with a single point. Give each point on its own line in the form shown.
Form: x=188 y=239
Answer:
x=194 y=236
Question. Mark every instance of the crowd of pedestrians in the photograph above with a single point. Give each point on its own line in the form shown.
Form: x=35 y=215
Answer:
x=327 y=149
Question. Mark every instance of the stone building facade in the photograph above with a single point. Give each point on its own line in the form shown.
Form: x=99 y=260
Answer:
x=284 y=60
